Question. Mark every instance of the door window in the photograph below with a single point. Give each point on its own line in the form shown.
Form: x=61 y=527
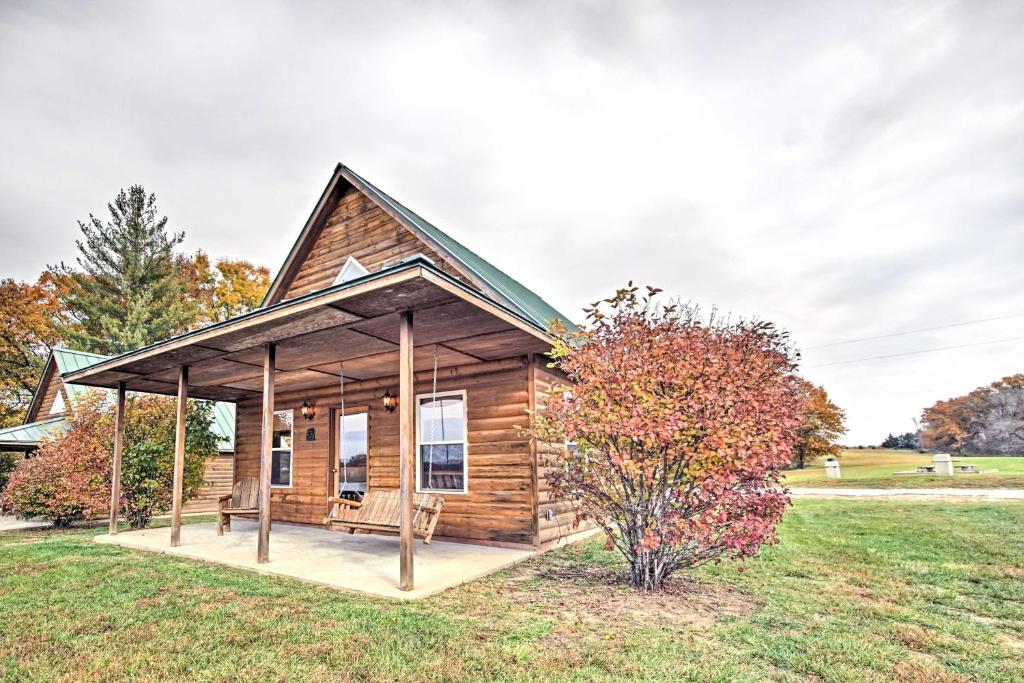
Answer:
x=352 y=453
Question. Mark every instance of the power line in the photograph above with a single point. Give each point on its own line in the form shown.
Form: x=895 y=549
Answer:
x=914 y=353
x=922 y=329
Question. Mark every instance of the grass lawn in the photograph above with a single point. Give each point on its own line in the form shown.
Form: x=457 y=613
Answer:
x=875 y=468
x=856 y=591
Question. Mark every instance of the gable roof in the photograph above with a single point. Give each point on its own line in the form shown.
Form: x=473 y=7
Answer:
x=66 y=361
x=488 y=278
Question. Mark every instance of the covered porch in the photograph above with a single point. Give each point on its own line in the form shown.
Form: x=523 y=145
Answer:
x=361 y=563
x=397 y=330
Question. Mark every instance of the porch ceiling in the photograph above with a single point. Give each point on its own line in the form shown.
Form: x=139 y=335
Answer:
x=356 y=323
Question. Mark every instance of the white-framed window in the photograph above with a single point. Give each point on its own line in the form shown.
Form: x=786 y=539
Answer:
x=350 y=271
x=441 y=443
x=281 y=449
x=58 y=404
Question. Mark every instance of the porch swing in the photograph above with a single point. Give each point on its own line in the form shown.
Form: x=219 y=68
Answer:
x=380 y=509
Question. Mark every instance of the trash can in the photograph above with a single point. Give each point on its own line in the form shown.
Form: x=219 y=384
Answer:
x=943 y=464
x=832 y=468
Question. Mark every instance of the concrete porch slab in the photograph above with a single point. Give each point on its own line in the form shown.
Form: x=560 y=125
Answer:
x=362 y=563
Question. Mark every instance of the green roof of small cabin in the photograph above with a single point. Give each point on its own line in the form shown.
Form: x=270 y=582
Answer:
x=70 y=360
x=29 y=435
x=509 y=292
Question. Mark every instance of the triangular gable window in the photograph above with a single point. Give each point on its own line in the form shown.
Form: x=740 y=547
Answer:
x=58 y=404
x=350 y=271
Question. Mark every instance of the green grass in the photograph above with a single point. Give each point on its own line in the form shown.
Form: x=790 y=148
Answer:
x=855 y=591
x=876 y=468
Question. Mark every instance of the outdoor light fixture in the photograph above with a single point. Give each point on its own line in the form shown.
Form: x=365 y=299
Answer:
x=308 y=411
x=390 y=402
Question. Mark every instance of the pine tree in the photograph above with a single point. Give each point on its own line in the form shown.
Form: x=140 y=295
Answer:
x=129 y=290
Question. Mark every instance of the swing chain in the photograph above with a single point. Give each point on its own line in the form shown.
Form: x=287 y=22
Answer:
x=433 y=423
x=343 y=488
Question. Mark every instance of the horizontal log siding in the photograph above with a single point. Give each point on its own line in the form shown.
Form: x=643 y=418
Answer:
x=563 y=513
x=357 y=227
x=217 y=481
x=498 y=506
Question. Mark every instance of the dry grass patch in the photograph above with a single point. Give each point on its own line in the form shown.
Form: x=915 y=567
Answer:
x=922 y=668
x=597 y=595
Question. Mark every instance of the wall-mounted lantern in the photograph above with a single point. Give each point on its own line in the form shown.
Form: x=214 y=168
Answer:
x=390 y=402
x=308 y=411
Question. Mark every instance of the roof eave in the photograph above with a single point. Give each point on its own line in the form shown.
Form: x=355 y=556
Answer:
x=417 y=267
x=19 y=445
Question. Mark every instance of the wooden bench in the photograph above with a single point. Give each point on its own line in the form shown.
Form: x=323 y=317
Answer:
x=244 y=500
x=379 y=511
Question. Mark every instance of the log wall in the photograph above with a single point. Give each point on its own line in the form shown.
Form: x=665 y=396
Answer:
x=555 y=518
x=499 y=505
x=217 y=482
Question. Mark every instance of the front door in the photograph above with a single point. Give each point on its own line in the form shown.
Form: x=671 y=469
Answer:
x=351 y=448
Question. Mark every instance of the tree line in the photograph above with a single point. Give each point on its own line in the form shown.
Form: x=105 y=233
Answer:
x=988 y=420
x=131 y=285
x=905 y=441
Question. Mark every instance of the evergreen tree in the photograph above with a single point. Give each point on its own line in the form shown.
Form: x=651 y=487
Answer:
x=129 y=291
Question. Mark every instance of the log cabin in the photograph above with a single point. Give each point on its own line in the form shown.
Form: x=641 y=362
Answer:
x=53 y=403
x=385 y=356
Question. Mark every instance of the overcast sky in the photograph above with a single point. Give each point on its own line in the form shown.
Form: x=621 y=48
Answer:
x=844 y=169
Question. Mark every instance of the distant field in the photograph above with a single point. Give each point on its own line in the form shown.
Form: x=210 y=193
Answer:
x=876 y=468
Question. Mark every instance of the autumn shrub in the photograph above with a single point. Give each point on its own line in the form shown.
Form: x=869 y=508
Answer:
x=68 y=479
x=147 y=462
x=678 y=426
x=8 y=461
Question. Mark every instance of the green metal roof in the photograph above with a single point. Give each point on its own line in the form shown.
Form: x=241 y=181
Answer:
x=31 y=434
x=224 y=424
x=514 y=294
x=70 y=360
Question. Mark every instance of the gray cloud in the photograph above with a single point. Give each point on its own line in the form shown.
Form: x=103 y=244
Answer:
x=844 y=169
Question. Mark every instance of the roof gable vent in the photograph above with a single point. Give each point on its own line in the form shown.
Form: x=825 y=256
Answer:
x=350 y=271
x=58 y=404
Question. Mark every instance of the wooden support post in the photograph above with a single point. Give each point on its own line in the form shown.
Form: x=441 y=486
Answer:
x=407 y=447
x=179 y=456
x=266 y=452
x=115 y=470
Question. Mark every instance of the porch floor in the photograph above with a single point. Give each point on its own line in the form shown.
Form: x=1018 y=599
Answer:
x=364 y=563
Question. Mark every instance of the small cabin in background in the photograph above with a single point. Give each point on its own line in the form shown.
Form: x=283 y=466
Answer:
x=54 y=400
